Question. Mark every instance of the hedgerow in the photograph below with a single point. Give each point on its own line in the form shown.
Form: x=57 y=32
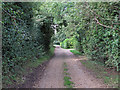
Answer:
x=26 y=36
x=96 y=28
x=91 y=28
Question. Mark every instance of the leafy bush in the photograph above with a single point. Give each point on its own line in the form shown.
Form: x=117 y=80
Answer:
x=73 y=41
x=96 y=30
x=65 y=44
x=69 y=43
x=25 y=39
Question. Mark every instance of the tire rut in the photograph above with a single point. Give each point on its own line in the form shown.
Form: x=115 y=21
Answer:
x=53 y=74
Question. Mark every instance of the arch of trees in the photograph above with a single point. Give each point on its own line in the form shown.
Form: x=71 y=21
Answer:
x=92 y=28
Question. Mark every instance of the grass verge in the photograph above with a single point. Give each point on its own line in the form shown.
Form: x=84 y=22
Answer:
x=75 y=52
x=109 y=77
x=42 y=59
x=67 y=79
x=19 y=78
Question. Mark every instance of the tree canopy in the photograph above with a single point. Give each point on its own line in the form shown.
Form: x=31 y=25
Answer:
x=28 y=31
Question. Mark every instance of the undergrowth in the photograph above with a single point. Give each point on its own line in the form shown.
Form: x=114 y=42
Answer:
x=75 y=52
x=109 y=77
x=25 y=70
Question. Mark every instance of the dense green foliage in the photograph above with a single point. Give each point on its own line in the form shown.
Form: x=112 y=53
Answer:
x=26 y=36
x=69 y=43
x=91 y=28
x=65 y=44
x=96 y=27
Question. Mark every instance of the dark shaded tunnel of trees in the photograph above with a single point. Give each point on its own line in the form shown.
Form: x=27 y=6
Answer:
x=30 y=29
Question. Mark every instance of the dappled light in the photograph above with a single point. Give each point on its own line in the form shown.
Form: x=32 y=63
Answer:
x=68 y=44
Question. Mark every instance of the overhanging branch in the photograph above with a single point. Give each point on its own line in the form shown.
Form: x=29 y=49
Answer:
x=101 y=24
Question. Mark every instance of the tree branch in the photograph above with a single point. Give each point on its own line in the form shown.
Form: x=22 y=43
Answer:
x=101 y=24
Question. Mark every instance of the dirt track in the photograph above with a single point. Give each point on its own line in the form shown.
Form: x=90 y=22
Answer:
x=53 y=74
